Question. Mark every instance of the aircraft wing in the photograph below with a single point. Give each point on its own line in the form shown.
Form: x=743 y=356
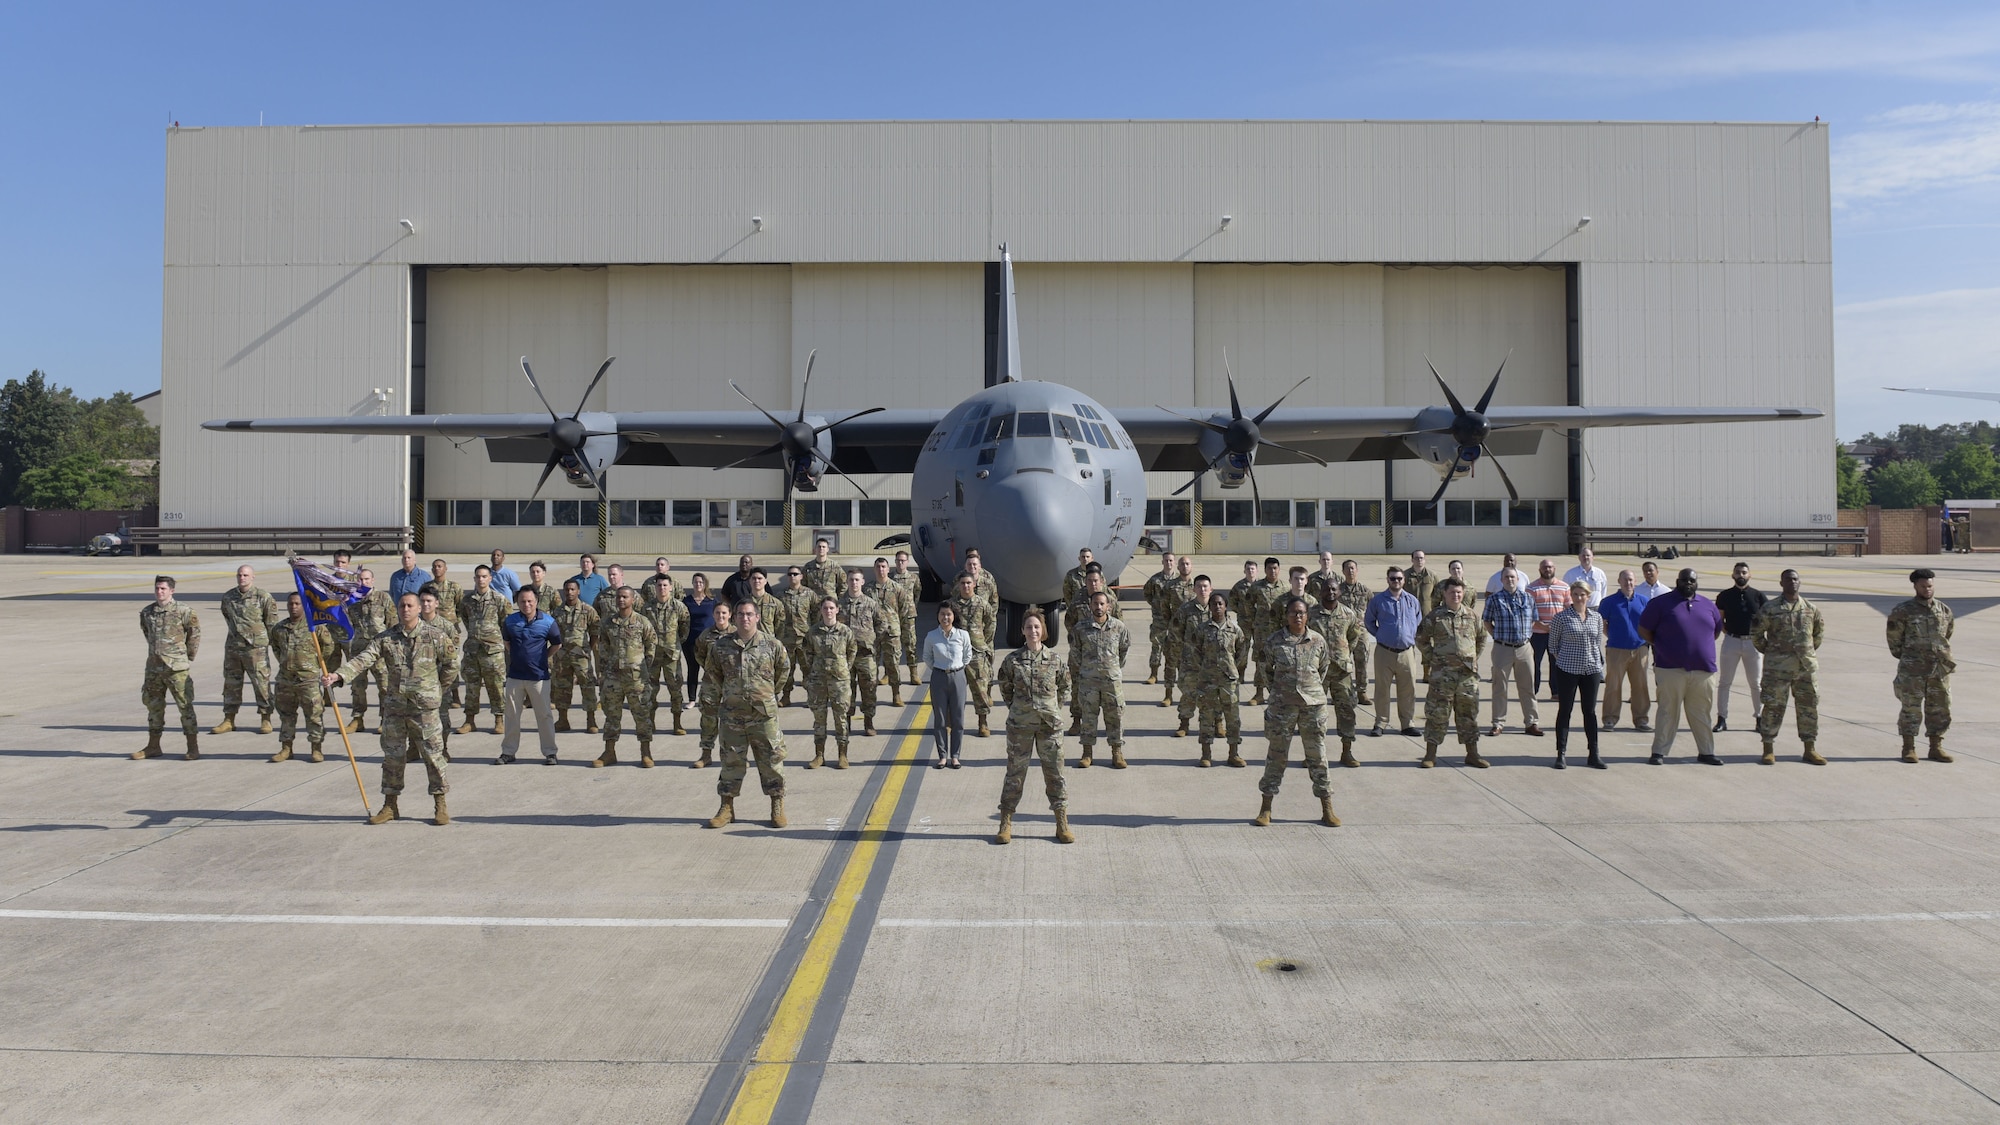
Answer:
x=1983 y=396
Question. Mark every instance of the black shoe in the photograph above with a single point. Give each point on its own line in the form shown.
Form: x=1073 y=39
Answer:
x=548 y=761
x=1375 y=732
x=1411 y=732
x=1597 y=763
x=1560 y=764
x=503 y=761
x=1708 y=759
x=1655 y=760
x=1720 y=724
x=938 y=764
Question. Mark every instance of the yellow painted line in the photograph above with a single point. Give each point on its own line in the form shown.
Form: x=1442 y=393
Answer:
x=757 y=1098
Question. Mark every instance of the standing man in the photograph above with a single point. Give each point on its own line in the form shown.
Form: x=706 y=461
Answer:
x=430 y=617
x=824 y=575
x=801 y=604
x=1186 y=623
x=1324 y=579
x=1510 y=617
x=173 y=636
x=971 y=614
x=1354 y=594
x=736 y=587
x=1210 y=644
x=828 y=652
x=1788 y=634
x=1740 y=605
x=1551 y=596
x=1650 y=586
x=1073 y=580
x=989 y=592
x=1682 y=626
x=575 y=660
x=1628 y=659
x=912 y=584
x=749 y=666
x=1296 y=659
x=606 y=603
x=709 y=695
x=531 y=638
x=1421 y=583
x=1267 y=599
x=419 y=658
x=1508 y=562
x=299 y=672
x=1340 y=627
x=1078 y=612
x=1097 y=651
x=1156 y=632
x=1392 y=619
x=625 y=642
x=893 y=603
x=669 y=618
x=1239 y=604
x=660 y=585
x=408 y=580
x=450 y=593
x=589 y=583
x=547 y=595
x=1453 y=639
x=861 y=614
x=1919 y=639
x=481 y=612
x=1033 y=681
x=505 y=581
x=1590 y=574
x=248 y=613
x=369 y=616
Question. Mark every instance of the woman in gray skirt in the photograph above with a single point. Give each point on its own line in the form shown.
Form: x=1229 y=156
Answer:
x=946 y=651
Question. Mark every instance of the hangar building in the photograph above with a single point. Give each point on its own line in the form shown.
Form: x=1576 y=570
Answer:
x=405 y=269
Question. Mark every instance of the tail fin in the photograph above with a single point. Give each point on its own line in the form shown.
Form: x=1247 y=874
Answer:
x=1009 y=360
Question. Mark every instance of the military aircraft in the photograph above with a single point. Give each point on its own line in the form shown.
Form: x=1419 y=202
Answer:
x=1984 y=396
x=1028 y=472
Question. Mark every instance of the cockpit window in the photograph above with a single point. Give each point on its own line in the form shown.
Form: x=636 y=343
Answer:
x=1032 y=423
x=1000 y=428
x=1068 y=427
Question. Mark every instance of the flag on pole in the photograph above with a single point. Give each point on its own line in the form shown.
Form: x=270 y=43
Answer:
x=326 y=594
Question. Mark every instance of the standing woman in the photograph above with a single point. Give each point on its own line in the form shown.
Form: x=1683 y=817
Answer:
x=701 y=618
x=947 y=650
x=1033 y=682
x=1576 y=653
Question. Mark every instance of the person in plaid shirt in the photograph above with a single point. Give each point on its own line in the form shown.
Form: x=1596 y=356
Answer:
x=1511 y=614
x=1551 y=596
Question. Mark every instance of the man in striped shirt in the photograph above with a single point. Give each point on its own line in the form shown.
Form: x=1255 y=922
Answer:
x=1551 y=596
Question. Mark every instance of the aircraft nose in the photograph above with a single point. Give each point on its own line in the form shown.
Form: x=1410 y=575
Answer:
x=1030 y=526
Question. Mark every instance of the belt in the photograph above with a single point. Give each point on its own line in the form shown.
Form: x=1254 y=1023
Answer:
x=949 y=671
x=1510 y=644
x=1405 y=648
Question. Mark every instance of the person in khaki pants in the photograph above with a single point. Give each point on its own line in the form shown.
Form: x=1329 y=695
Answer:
x=1627 y=656
x=1393 y=617
x=1510 y=616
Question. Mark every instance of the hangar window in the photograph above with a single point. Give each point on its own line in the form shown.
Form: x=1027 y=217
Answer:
x=1303 y=513
x=885 y=513
x=1414 y=513
x=516 y=513
x=822 y=513
x=467 y=513
x=1034 y=423
x=573 y=513
x=1274 y=513
x=1168 y=513
x=687 y=513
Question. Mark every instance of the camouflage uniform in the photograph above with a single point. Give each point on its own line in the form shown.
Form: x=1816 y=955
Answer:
x=624 y=649
x=419 y=660
x=1319 y=581
x=987 y=590
x=1421 y=583
x=1186 y=626
x=452 y=640
x=1072 y=584
x=750 y=672
x=1789 y=635
x=827 y=579
x=573 y=664
x=1263 y=617
x=1920 y=640
x=299 y=685
x=1239 y=604
x=1211 y=683
x=606 y=605
x=709 y=696
x=649 y=591
x=1162 y=593
x=900 y=615
x=971 y=615
x=801 y=614
x=871 y=632
x=369 y=617
x=485 y=659
x=1297 y=676
x=912 y=585
x=1339 y=626
x=1076 y=613
x=248 y=615
x=1033 y=685
x=1097 y=669
x=450 y=594
x=173 y=636
x=1355 y=595
x=1451 y=642
x=669 y=618
x=547 y=597
x=828 y=652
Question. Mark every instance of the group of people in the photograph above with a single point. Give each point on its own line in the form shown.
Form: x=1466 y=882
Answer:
x=1303 y=641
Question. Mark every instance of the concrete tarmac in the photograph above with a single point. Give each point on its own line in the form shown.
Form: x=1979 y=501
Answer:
x=224 y=940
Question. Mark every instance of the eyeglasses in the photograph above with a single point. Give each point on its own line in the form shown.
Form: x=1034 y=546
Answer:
x=1395 y=578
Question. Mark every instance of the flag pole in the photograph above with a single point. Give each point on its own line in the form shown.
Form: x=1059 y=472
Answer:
x=339 y=723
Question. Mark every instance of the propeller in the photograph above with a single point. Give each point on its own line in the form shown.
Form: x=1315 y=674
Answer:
x=798 y=438
x=1469 y=429
x=1241 y=437
x=567 y=435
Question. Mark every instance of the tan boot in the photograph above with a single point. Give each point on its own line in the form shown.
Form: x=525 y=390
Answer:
x=1083 y=763
x=590 y=722
x=1347 y=754
x=984 y=730
x=1167 y=700
x=438 y=813
x=562 y=721
x=389 y=812
x=819 y=752
x=360 y=713
x=1264 y=814
x=1430 y=756
x=645 y=753
x=1207 y=753
x=264 y=724
x=317 y=755
x=1910 y=748
x=1235 y=755
x=1473 y=759
x=707 y=758
x=1326 y=816
x=678 y=728
x=1117 y=757
x=499 y=724
x=1153 y=677
x=354 y=727
x=1811 y=756
x=1063 y=834
x=869 y=727
x=725 y=814
x=896 y=695
x=609 y=757
x=151 y=749
x=464 y=727
x=778 y=813
x=1075 y=728
x=194 y=750
x=841 y=762
x=1257 y=700
x=1770 y=757
x=227 y=724
x=1182 y=730
x=1006 y=833
x=1937 y=753
x=284 y=753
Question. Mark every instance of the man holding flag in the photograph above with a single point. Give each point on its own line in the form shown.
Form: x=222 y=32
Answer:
x=418 y=659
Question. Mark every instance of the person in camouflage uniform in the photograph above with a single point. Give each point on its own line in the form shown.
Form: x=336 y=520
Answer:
x=900 y=616
x=547 y=594
x=1321 y=580
x=989 y=592
x=1186 y=622
x=1177 y=596
x=872 y=634
x=173 y=637
x=575 y=661
x=625 y=646
x=913 y=590
x=669 y=618
x=1211 y=678
x=1295 y=659
x=1073 y=579
x=606 y=602
x=660 y=585
x=1239 y=604
x=1920 y=640
x=369 y=617
x=828 y=652
x=801 y=614
x=1354 y=594
x=750 y=665
x=485 y=660
x=969 y=610
x=1452 y=638
x=419 y=657
x=450 y=593
x=827 y=578
x=1339 y=626
x=299 y=646
x=1421 y=584
x=248 y=613
x=1788 y=631
x=1033 y=682
x=1263 y=614
x=1097 y=651
x=1156 y=654
x=430 y=612
x=709 y=695
x=1076 y=613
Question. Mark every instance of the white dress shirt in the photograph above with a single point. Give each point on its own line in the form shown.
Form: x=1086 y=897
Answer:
x=951 y=651
x=1593 y=577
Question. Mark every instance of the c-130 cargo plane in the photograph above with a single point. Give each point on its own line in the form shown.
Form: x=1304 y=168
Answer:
x=1028 y=472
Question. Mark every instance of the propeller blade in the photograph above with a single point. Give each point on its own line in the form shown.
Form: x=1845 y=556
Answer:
x=1259 y=419
x=554 y=460
x=1202 y=422
x=1235 y=408
x=1490 y=387
x=594 y=380
x=530 y=373
x=596 y=481
x=764 y=452
x=1196 y=479
x=1512 y=493
x=1321 y=461
x=1254 y=494
x=849 y=418
x=753 y=402
x=822 y=459
x=1456 y=406
x=1444 y=484
x=806 y=388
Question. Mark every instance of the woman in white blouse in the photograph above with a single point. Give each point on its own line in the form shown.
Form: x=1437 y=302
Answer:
x=946 y=652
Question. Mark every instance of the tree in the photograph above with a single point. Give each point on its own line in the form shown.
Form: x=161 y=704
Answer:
x=1849 y=485
x=82 y=480
x=36 y=419
x=1904 y=484
x=1969 y=472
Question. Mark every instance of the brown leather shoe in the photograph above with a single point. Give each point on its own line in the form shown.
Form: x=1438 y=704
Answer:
x=1534 y=730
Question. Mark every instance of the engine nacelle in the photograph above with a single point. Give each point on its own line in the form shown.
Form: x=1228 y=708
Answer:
x=1440 y=450
x=1233 y=468
x=806 y=471
x=601 y=452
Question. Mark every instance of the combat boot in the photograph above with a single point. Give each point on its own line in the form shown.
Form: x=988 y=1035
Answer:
x=464 y=727
x=984 y=730
x=1063 y=834
x=707 y=758
x=284 y=753
x=1235 y=755
x=1153 y=677
x=1075 y=728
x=590 y=722
x=1257 y=700
x=1770 y=757
x=725 y=814
x=389 y=811
x=1117 y=757
x=869 y=726
x=151 y=749
x=1006 y=833
x=1326 y=816
x=645 y=753
x=678 y=728
x=1811 y=757
x=1182 y=730
x=778 y=813
x=1263 y=819
x=264 y=724
x=317 y=755
x=896 y=693
x=355 y=726
x=1937 y=753
x=1910 y=748
x=1167 y=700
x=1473 y=759
x=499 y=724
x=227 y=724
x=1083 y=763
x=609 y=757
x=194 y=750
x=819 y=752
x=1430 y=756
x=438 y=814
x=840 y=763
x=1207 y=753
x=785 y=700
x=1347 y=757
x=360 y=713
x=562 y=721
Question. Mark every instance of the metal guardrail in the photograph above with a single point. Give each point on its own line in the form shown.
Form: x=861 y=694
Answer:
x=1825 y=540
x=274 y=540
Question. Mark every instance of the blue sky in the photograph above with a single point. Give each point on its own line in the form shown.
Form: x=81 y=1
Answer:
x=1912 y=92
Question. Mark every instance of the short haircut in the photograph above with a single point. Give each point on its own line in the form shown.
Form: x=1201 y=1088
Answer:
x=1741 y=563
x=662 y=559
x=1105 y=594
x=829 y=601
x=1395 y=572
x=434 y=562
x=1270 y=562
x=484 y=567
x=823 y=539
x=971 y=553
x=1448 y=583
x=1918 y=575
x=527 y=590
x=1035 y=614
x=572 y=584
x=881 y=561
x=758 y=570
x=1204 y=578
x=430 y=588
x=407 y=594
x=1094 y=568
x=1218 y=596
x=740 y=605
x=1580 y=587
x=294 y=597
x=1297 y=571
x=168 y=579
x=1788 y=570
x=1300 y=602
x=1349 y=562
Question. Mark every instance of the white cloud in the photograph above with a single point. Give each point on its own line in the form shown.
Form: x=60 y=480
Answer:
x=1917 y=148
x=1948 y=340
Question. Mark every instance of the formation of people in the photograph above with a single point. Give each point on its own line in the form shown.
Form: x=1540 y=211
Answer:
x=1304 y=642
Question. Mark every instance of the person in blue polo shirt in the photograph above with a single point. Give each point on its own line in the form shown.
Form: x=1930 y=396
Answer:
x=1627 y=656
x=589 y=583
x=529 y=636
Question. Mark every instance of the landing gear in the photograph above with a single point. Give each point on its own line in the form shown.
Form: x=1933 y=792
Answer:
x=1008 y=631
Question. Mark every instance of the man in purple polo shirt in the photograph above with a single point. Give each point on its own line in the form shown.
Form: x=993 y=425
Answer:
x=1682 y=627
